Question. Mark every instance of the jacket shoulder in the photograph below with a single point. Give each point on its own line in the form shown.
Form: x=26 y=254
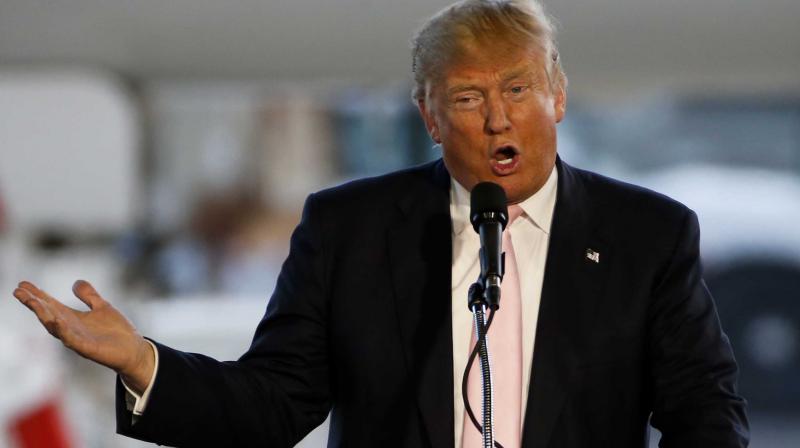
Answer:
x=378 y=191
x=627 y=200
x=631 y=217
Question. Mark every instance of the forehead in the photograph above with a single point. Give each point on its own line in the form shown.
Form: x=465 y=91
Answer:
x=486 y=64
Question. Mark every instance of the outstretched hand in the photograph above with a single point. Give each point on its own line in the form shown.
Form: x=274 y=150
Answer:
x=101 y=334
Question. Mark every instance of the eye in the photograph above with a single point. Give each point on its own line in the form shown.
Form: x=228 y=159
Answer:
x=516 y=90
x=466 y=102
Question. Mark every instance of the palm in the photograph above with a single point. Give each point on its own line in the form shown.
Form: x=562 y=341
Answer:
x=101 y=334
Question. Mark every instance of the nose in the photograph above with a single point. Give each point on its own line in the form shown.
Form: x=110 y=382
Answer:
x=497 y=120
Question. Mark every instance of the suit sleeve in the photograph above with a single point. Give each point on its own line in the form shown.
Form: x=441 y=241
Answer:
x=275 y=394
x=692 y=365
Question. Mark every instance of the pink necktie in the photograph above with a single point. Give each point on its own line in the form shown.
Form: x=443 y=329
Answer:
x=505 y=354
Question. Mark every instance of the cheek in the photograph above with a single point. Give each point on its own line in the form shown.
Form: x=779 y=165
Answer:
x=464 y=128
x=536 y=123
x=465 y=161
x=463 y=146
x=538 y=110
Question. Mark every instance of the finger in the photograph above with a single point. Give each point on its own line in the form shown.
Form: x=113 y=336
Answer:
x=36 y=292
x=53 y=304
x=50 y=318
x=39 y=307
x=88 y=295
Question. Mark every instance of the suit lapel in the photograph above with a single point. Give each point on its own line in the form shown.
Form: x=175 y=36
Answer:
x=571 y=282
x=420 y=258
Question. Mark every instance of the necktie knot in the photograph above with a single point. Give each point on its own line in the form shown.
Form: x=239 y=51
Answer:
x=514 y=212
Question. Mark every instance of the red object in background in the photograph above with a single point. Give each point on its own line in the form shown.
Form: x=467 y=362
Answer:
x=42 y=427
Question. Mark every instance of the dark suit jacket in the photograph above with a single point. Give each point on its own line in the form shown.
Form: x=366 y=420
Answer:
x=360 y=325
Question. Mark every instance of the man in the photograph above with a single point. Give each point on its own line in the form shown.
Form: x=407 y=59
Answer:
x=369 y=319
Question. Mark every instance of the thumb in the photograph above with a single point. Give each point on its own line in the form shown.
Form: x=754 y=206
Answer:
x=88 y=295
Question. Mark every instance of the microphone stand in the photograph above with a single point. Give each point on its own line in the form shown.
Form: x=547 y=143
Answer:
x=477 y=303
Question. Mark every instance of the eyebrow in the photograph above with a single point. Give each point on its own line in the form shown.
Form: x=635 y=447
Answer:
x=516 y=74
x=458 y=88
x=463 y=87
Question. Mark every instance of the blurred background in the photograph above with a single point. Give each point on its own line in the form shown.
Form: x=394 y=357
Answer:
x=163 y=150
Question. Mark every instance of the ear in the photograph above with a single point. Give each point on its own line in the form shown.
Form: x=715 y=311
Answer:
x=429 y=119
x=560 y=102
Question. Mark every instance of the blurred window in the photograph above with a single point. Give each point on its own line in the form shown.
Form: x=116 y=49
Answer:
x=737 y=133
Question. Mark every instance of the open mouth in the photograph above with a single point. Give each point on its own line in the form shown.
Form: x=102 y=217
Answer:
x=505 y=160
x=505 y=155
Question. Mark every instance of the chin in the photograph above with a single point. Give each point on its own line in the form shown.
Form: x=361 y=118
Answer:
x=516 y=193
x=512 y=194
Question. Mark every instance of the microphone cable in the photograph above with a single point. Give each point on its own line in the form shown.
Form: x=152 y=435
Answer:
x=472 y=355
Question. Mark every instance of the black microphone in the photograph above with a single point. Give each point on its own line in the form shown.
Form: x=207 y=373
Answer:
x=489 y=216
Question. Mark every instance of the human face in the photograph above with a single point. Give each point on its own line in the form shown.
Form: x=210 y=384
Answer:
x=495 y=114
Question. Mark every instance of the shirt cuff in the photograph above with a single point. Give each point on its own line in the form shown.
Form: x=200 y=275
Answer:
x=133 y=401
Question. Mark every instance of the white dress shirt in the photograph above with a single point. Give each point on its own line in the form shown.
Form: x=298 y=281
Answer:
x=135 y=402
x=531 y=236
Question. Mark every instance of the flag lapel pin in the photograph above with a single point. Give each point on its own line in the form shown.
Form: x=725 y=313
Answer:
x=593 y=255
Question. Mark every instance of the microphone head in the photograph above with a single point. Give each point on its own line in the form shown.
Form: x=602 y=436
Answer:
x=488 y=202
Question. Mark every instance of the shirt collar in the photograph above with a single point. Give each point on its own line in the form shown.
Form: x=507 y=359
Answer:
x=538 y=207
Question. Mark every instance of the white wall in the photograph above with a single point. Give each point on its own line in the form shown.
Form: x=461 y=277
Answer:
x=69 y=143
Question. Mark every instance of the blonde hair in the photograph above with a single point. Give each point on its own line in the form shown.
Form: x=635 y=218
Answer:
x=449 y=33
